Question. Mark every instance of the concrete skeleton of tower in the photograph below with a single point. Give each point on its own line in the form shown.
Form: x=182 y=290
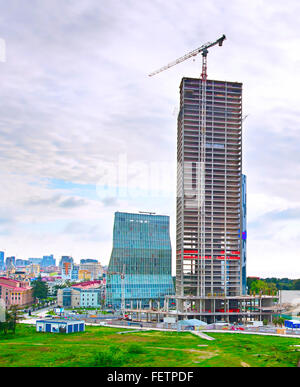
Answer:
x=209 y=221
x=211 y=201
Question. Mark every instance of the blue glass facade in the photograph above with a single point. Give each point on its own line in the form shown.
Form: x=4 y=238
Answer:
x=142 y=243
x=21 y=262
x=65 y=258
x=82 y=261
x=10 y=262
x=74 y=272
x=244 y=233
x=35 y=261
x=1 y=260
x=48 y=260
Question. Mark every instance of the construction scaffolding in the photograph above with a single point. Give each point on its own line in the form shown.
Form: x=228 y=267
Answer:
x=211 y=309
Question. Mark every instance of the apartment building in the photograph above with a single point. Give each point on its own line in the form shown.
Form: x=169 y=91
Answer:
x=15 y=292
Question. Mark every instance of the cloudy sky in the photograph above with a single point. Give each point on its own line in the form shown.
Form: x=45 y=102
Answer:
x=78 y=107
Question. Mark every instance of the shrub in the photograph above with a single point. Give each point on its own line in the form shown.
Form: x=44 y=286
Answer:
x=112 y=357
x=135 y=349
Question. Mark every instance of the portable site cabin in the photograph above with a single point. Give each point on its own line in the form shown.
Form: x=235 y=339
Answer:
x=60 y=326
x=191 y=324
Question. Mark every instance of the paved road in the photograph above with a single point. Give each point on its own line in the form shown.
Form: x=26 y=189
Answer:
x=41 y=313
x=202 y=335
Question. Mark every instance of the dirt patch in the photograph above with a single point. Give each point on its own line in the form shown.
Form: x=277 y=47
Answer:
x=40 y=349
x=201 y=355
x=179 y=349
x=243 y=364
x=129 y=339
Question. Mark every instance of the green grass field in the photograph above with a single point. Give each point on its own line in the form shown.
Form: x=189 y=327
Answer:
x=102 y=346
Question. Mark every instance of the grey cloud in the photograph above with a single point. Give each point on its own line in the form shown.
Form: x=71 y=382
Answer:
x=42 y=202
x=59 y=201
x=109 y=202
x=72 y=202
x=271 y=157
x=276 y=216
x=86 y=232
x=75 y=228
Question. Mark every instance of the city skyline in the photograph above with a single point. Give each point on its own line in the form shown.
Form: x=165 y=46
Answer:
x=76 y=100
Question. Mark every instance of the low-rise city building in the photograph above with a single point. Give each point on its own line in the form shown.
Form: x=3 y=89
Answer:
x=52 y=284
x=84 y=275
x=82 y=295
x=33 y=270
x=15 y=292
x=95 y=269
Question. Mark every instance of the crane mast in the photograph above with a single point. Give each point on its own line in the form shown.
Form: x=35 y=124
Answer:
x=201 y=156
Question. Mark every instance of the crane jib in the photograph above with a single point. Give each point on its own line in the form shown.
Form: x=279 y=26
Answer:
x=195 y=52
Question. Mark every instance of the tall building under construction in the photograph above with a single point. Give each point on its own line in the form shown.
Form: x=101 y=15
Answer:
x=210 y=229
x=211 y=204
x=211 y=207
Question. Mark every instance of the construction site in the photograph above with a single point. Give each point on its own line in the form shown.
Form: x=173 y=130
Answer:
x=211 y=231
x=210 y=309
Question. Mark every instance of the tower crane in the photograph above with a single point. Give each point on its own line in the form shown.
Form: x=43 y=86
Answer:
x=122 y=276
x=201 y=157
x=203 y=49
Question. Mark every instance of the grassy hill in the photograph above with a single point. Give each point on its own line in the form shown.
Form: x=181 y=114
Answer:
x=102 y=346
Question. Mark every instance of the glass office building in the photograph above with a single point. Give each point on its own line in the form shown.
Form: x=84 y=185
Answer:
x=48 y=260
x=2 y=260
x=142 y=248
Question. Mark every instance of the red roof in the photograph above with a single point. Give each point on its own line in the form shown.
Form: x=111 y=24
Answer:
x=8 y=279
x=87 y=284
x=16 y=288
x=12 y=286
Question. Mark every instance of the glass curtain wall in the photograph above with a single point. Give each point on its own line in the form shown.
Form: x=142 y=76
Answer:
x=142 y=248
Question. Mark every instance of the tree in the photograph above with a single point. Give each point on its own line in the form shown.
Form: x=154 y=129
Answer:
x=40 y=289
x=281 y=321
x=297 y=284
x=4 y=327
x=249 y=282
x=262 y=287
x=278 y=321
x=12 y=317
